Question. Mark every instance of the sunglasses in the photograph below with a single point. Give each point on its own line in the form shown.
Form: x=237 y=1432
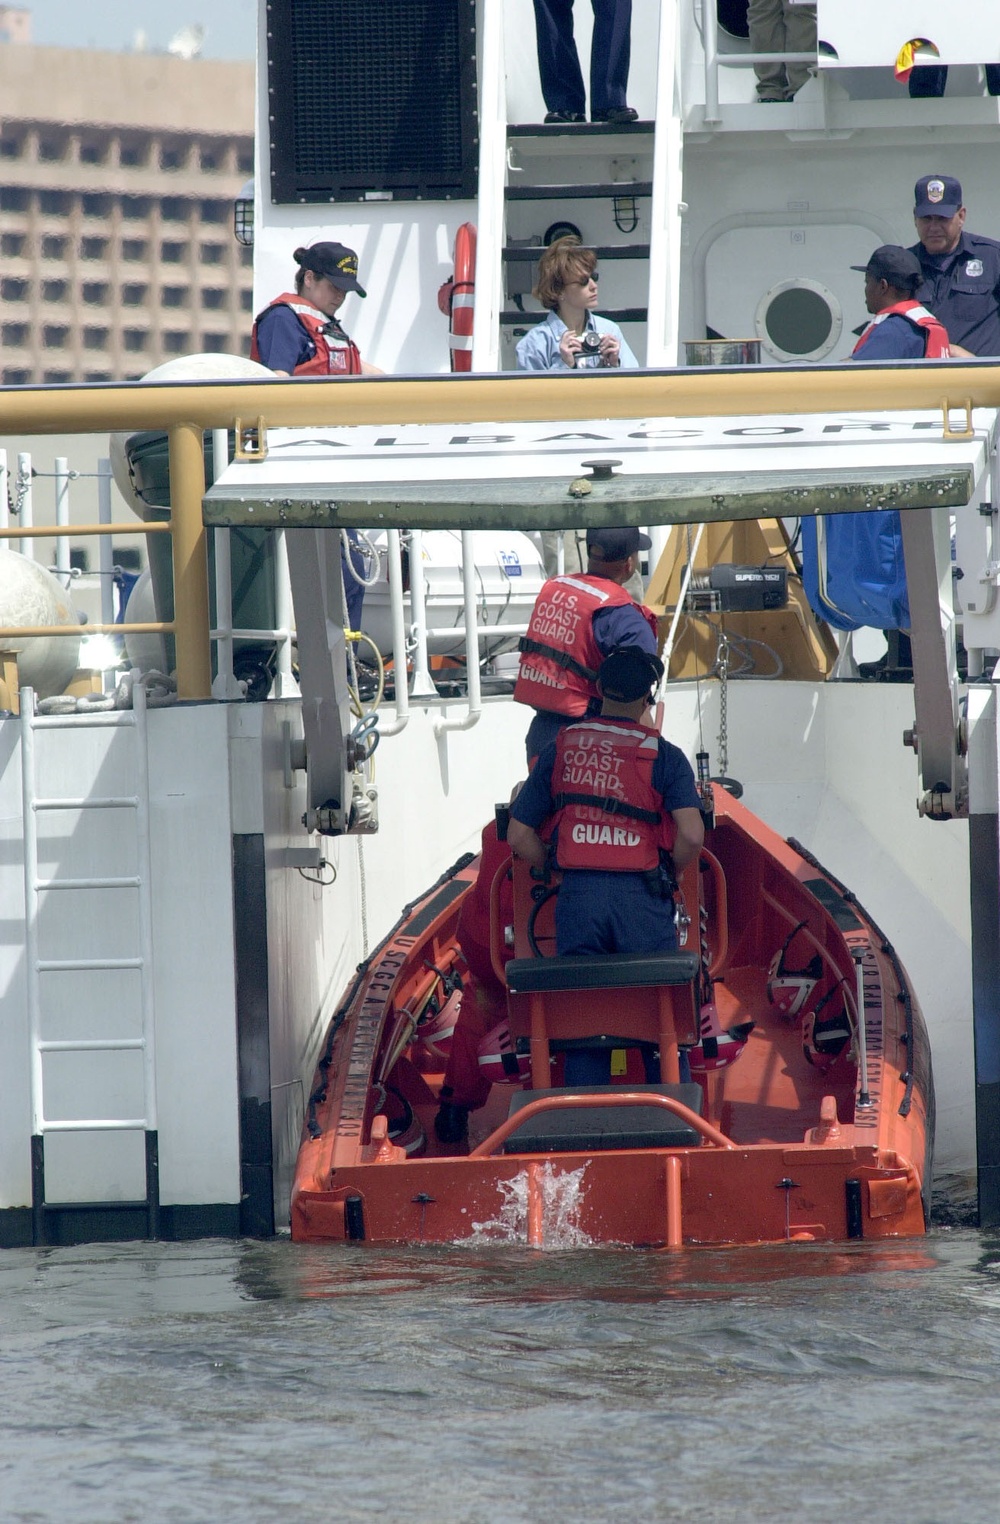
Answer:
x=586 y=279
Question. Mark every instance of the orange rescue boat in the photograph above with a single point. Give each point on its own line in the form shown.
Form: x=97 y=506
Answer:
x=807 y=1115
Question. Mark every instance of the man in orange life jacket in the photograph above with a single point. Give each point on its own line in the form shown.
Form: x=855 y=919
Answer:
x=618 y=806
x=576 y=621
x=901 y=329
x=864 y=573
x=299 y=334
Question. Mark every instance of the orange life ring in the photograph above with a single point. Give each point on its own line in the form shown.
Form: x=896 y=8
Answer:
x=461 y=300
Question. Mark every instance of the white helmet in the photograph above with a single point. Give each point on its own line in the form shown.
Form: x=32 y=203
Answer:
x=788 y=989
x=827 y=1031
x=718 y=1046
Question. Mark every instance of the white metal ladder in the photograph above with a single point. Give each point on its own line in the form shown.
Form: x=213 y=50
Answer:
x=38 y=967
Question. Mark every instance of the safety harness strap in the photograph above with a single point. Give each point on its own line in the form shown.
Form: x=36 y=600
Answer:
x=537 y=648
x=610 y=806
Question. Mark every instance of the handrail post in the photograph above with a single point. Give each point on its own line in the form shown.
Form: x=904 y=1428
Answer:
x=190 y=558
x=224 y=686
x=62 y=566
x=394 y=565
x=471 y=640
x=25 y=504
x=423 y=683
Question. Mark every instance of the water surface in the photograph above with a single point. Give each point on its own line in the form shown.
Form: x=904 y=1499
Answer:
x=276 y=1381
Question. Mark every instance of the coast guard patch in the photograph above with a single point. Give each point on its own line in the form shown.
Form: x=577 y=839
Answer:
x=974 y=267
x=935 y=190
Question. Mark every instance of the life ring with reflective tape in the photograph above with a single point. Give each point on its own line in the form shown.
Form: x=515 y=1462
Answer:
x=461 y=297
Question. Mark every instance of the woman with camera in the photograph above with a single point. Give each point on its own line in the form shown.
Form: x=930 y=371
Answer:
x=572 y=337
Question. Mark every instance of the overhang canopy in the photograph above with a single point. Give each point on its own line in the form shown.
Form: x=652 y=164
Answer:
x=628 y=471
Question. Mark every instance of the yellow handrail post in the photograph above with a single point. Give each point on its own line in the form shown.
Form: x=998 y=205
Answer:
x=190 y=559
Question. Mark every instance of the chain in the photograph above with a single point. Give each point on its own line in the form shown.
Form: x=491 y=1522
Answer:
x=722 y=665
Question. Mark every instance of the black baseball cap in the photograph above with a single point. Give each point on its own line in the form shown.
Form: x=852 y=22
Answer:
x=617 y=543
x=628 y=673
x=936 y=196
x=894 y=264
x=334 y=260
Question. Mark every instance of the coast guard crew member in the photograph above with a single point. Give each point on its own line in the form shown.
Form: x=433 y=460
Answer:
x=961 y=270
x=618 y=805
x=299 y=334
x=576 y=621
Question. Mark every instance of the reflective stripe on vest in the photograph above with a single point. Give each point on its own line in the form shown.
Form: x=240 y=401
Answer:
x=935 y=334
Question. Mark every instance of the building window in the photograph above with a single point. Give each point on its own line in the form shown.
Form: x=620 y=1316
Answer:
x=173 y=158
x=135 y=339
x=134 y=249
x=54 y=290
x=244 y=162
x=173 y=209
x=96 y=206
x=215 y=211
x=54 y=248
x=56 y=377
x=172 y=253
x=134 y=207
x=128 y=557
x=11 y=148
x=213 y=300
x=16 y=377
x=13 y=290
x=95 y=338
x=55 y=203
x=133 y=155
x=53 y=337
x=12 y=244
x=209 y=161
x=215 y=343
x=246 y=301
x=15 y=334
x=93 y=153
x=211 y=253
x=93 y=248
x=13 y=199
x=246 y=256
x=176 y=343
x=174 y=296
x=97 y=375
x=51 y=150
x=134 y=296
x=95 y=292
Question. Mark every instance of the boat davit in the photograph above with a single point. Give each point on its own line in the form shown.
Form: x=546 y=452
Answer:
x=771 y=1079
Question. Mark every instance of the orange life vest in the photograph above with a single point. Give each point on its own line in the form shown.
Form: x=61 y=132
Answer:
x=607 y=813
x=935 y=333
x=334 y=354
x=559 y=655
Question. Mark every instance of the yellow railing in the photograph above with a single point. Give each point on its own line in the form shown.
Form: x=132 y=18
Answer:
x=187 y=409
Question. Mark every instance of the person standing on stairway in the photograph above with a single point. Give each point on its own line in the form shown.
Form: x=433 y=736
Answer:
x=559 y=62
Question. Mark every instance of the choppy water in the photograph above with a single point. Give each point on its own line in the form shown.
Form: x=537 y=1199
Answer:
x=218 y=1381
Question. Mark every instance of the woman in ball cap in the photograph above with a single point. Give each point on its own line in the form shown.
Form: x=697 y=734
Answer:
x=299 y=334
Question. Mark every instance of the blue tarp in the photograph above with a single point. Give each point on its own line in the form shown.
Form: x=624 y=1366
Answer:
x=861 y=577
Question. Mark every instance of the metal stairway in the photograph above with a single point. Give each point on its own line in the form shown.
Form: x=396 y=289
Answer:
x=101 y=980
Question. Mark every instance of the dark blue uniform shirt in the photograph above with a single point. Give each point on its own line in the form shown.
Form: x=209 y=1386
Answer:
x=962 y=289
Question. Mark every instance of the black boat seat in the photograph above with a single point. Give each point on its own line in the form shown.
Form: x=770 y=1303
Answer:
x=611 y=971
x=591 y=1129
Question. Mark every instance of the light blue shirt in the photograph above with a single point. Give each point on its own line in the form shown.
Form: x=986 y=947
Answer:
x=539 y=349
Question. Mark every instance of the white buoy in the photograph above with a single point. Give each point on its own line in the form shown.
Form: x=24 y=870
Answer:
x=148 y=651
x=30 y=595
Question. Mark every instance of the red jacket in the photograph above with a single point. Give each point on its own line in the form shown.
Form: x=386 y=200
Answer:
x=335 y=354
x=935 y=333
x=607 y=812
x=559 y=655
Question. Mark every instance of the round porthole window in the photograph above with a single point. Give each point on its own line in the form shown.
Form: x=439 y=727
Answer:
x=798 y=320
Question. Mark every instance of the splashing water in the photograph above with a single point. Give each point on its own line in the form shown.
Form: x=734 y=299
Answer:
x=562 y=1198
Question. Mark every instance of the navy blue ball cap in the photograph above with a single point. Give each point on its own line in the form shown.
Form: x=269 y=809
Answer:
x=334 y=260
x=617 y=543
x=896 y=265
x=628 y=673
x=936 y=196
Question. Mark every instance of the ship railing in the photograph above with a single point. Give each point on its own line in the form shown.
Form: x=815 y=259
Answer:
x=410 y=636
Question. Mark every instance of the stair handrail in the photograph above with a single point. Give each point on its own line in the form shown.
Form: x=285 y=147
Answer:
x=490 y=204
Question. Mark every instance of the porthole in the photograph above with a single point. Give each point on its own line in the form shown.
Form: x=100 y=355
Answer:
x=798 y=320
